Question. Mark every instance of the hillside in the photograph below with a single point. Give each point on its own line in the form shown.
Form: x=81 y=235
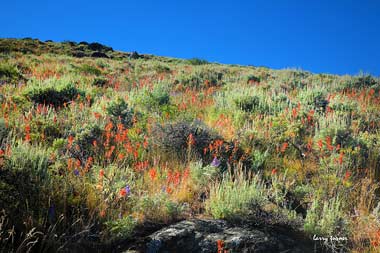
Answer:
x=100 y=149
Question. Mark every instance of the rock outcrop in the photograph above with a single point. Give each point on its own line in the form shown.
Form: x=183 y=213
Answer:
x=203 y=235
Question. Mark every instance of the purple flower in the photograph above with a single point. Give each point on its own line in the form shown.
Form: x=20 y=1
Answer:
x=215 y=162
x=76 y=172
x=127 y=189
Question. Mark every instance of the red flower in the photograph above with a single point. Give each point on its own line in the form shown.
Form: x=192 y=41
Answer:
x=123 y=192
x=191 y=141
x=70 y=140
x=284 y=147
x=152 y=173
x=347 y=175
x=220 y=244
x=101 y=173
x=341 y=158
x=274 y=171
x=320 y=144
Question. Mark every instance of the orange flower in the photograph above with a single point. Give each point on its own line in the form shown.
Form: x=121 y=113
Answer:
x=169 y=190
x=145 y=144
x=341 y=158
x=274 y=171
x=320 y=144
x=123 y=192
x=70 y=140
x=152 y=173
x=191 y=140
x=284 y=147
x=27 y=133
x=97 y=115
x=101 y=173
x=220 y=244
x=347 y=175
x=294 y=113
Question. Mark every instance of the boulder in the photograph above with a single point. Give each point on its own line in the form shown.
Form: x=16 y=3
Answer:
x=204 y=235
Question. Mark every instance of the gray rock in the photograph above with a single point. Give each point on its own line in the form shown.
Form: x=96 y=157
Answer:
x=201 y=235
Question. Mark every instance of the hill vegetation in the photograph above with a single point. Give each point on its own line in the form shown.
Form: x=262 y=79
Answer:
x=97 y=144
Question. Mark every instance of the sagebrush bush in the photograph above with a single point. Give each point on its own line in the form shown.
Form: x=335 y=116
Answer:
x=9 y=73
x=54 y=92
x=158 y=207
x=100 y=81
x=24 y=179
x=202 y=77
x=121 y=228
x=197 y=61
x=326 y=218
x=119 y=111
x=88 y=69
x=174 y=137
x=234 y=195
x=82 y=146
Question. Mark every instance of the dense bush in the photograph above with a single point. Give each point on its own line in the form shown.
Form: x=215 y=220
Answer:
x=100 y=81
x=54 y=92
x=234 y=197
x=88 y=69
x=174 y=137
x=326 y=218
x=23 y=179
x=201 y=77
x=9 y=73
x=153 y=100
x=82 y=146
x=119 y=111
x=197 y=61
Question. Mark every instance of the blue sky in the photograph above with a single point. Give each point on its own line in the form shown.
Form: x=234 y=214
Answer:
x=335 y=36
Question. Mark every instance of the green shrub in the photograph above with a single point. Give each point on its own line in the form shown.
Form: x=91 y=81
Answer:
x=9 y=73
x=252 y=103
x=88 y=69
x=197 y=61
x=326 y=218
x=159 y=68
x=121 y=228
x=84 y=139
x=362 y=81
x=202 y=175
x=200 y=77
x=153 y=100
x=158 y=207
x=119 y=110
x=100 y=81
x=314 y=98
x=252 y=78
x=233 y=196
x=55 y=92
x=23 y=180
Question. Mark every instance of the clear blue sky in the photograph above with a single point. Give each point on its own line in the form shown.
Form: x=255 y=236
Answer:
x=332 y=36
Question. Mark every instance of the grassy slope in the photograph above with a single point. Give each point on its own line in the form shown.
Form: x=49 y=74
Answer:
x=100 y=145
